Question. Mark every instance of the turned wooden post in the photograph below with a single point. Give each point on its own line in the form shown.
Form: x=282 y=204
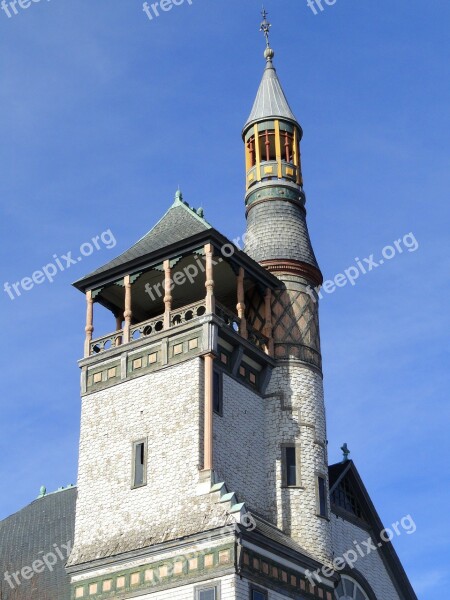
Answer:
x=167 y=293
x=127 y=313
x=209 y=283
x=209 y=414
x=268 y=331
x=89 y=329
x=241 y=303
x=119 y=321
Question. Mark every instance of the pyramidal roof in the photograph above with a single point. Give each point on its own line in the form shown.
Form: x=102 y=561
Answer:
x=179 y=223
x=270 y=100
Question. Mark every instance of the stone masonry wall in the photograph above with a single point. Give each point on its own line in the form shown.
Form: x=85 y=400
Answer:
x=295 y=413
x=240 y=445
x=166 y=408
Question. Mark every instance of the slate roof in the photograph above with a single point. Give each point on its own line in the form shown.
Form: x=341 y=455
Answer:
x=30 y=534
x=283 y=229
x=179 y=223
x=33 y=531
x=270 y=100
x=272 y=533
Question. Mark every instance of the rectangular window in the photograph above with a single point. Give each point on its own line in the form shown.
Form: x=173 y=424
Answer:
x=208 y=592
x=139 y=463
x=290 y=457
x=218 y=392
x=257 y=594
x=291 y=466
x=322 y=496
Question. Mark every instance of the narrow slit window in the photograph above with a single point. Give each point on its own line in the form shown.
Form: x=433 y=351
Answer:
x=322 y=500
x=291 y=466
x=139 y=463
x=218 y=392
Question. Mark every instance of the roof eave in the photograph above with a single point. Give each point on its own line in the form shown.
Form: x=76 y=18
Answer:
x=191 y=243
x=253 y=122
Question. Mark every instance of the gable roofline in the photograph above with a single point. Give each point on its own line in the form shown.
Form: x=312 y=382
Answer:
x=337 y=473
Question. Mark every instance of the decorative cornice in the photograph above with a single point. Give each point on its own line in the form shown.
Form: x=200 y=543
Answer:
x=273 y=199
x=295 y=267
x=271 y=190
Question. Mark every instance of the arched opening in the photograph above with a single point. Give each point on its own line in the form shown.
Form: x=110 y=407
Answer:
x=349 y=589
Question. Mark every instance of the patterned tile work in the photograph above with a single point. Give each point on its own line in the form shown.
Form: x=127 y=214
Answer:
x=158 y=575
x=266 y=570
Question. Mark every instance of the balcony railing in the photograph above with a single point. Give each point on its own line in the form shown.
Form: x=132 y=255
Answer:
x=177 y=318
x=146 y=328
x=234 y=322
x=106 y=342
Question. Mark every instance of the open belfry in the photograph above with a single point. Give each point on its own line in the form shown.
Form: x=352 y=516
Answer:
x=203 y=468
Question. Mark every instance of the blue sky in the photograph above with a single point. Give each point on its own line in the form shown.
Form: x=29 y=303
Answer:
x=103 y=114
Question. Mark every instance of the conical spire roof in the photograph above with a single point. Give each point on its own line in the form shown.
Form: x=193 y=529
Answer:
x=271 y=101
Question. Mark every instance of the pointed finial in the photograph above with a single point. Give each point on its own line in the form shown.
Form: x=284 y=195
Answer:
x=179 y=195
x=265 y=28
x=42 y=491
x=345 y=452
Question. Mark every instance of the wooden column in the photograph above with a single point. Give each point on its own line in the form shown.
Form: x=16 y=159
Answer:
x=209 y=414
x=297 y=156
x=167 y=293
x=89 y=329
x=119 y=321
x=209 y=284
x=268 y=332
x=241 y=303
x=258 y=153
x=278 y=148
x=127 y=313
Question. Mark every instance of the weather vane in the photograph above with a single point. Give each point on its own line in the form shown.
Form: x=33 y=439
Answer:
x=265 y=26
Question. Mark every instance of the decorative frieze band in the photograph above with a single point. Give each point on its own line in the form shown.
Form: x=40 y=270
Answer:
x=157 y=575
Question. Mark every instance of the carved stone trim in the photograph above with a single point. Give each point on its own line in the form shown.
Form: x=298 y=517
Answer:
x=295 y=267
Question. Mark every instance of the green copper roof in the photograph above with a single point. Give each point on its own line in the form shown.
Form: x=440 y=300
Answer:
x=271 y=101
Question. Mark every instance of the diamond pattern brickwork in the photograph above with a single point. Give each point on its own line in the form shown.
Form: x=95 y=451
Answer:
x=296 y=326
x=255 y=310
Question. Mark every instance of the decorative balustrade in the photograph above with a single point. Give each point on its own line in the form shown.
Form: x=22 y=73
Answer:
x=234 y=322
x=187 y=313
x=178 y=317
x=150 y=327
x=106 y=342
x=146 y=328
x=258 y=339
x=230 y=319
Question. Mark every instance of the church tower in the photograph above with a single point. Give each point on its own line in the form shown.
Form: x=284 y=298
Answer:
x=203 y=460
x=278 y=239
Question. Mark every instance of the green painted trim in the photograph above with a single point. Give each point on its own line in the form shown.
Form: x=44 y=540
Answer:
x=158 y=581
x=275 y=193
x=265 y=570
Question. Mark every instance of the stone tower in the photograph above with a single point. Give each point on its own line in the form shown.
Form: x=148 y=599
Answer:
x=202 y=463
x=278 y=239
